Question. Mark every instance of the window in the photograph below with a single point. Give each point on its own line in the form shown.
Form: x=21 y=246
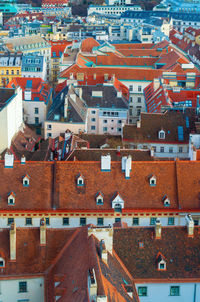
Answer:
x=180 y=149
x=48 y=127
x=93 y=127
x=49 y=134
x=142 y=291
x=23 y=287
x=28 y=221
x=93 y=119
x=170 y=220
x=153 y=221
x=105 y=129
x=2 y=263
x=99 y=221
x=139 y=88
x=162 y=150
x=105 y=121
x=118 y=219
x=138 y=110
x=36 y=110
x=47 y=220
x=196 y=221
x=10 y=221
x=119 y=121
x=135 y=221
x=131 y=87
x=170 y=149
x=93 y=112
x=12 y=72
x=82 y=221
x=65 y=221
x=7 y=71
x=154 y=148
x=174 y=290
x=36 y=120
x=161 y=134
x=11 y=201
x=119 y=129
x=139 y=99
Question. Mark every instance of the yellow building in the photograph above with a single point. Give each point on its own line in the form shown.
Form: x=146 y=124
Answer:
x=10 y=67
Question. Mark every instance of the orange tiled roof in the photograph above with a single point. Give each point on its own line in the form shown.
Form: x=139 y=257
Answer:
x=88 y=44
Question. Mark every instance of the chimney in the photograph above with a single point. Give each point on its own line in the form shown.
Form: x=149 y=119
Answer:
x=23 y=160
x=152 y=152
x=92 y=284
x=156 y=84
x=190 y=225
x=158 y=229
x=105 y=162
x=138 y=124
x=94 y=76
x=8 y=160
x=103 y=252
x=13 y=241
x=119 y=94
x=128 y=166
x=43 y=238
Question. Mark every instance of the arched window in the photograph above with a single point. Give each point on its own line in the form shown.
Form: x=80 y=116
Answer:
x=2 y=262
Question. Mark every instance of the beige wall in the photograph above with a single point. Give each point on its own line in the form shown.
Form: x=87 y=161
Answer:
x=61 y=127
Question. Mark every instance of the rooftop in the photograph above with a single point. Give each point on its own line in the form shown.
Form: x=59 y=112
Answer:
x=6 y=95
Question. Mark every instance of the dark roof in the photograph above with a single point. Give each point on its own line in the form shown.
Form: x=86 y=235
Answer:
x=6 y=95
x=108 y=99
x=95 y=154
x=181 y=252
x=152 y=123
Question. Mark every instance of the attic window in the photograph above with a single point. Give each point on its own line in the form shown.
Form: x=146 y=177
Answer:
x=141 y=245
x=11 y=198
x=166 y=201
x=161 y=262
x=99 y=198
x=161 y=134
x=26 y=180
x=80 y=181
x=2 y=262
x=152 y=181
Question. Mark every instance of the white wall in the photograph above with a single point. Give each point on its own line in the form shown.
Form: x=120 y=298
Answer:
x=157 y=292
x=29 y=111
x=9 y=290
x=10 y=120
x=57 y=222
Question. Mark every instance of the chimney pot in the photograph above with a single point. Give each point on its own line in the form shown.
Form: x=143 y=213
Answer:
x=23 y=160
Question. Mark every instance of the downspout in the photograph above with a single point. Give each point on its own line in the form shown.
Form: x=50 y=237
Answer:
x=195 y=288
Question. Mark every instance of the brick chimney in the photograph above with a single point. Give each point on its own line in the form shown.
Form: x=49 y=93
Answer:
x=43 y=236
x=13 y=241
x=158 y=229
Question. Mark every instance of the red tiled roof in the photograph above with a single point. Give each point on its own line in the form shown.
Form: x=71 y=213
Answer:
x=38 y=87
x=88 y=44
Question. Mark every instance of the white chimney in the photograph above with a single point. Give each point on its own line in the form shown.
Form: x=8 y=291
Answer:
x=138 y=124
x=119 y=94
x=123 y=163
x=13 y=241
x=97 y=93
x=128 y=166
x=156 y=84
x=8 y=160
x=23 y=160
x=158 y=229
x=190 y=225
x=152 y=152
x=105 y=162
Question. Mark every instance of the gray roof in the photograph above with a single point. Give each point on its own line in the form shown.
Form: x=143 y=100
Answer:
x=108 y=99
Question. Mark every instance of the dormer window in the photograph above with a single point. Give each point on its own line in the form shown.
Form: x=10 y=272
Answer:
x=2 y=262
x=11 y=198
x=26 y=180
x=166 y=201
x=161 y=134
x=80 y=180
x=152 y=181
x=99 y=198
x=161 y=262
x=117 y=202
